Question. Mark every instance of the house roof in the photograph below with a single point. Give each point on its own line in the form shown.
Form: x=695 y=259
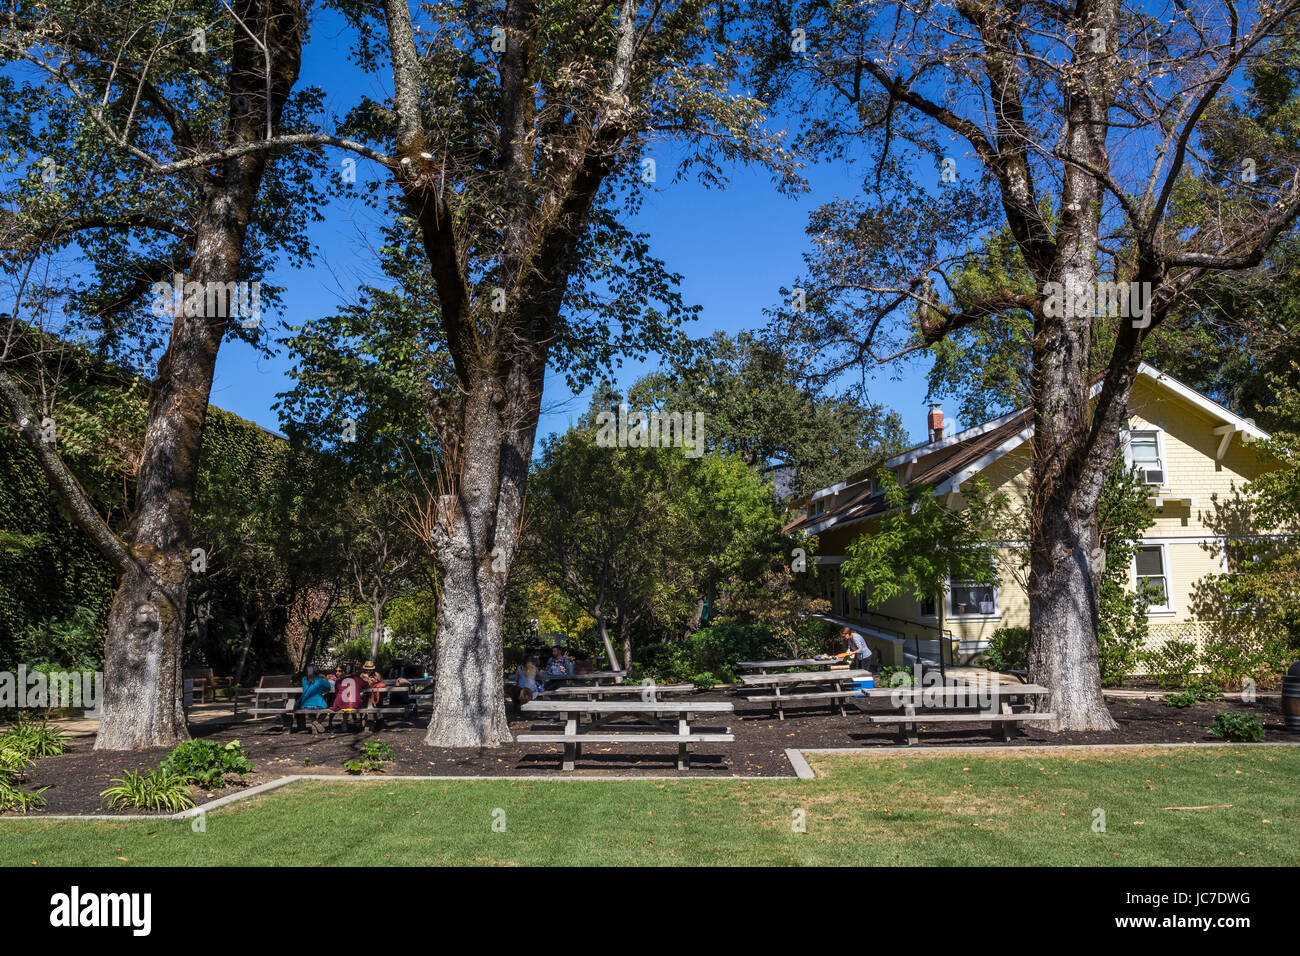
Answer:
x=980 y=446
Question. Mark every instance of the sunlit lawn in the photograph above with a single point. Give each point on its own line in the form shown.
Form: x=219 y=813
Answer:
x=1031 y=808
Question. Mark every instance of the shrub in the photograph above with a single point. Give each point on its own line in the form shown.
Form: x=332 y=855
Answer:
x=376 y=755
x=14 y=764
x=75 y=643
x=1241 y=727
x=1008 y=649
x=1232 y=658
x=704 y=681
x=206 y=762
x=1196 y=690
x=1172 y=664
x=156 y=790
x=896 y=676
x=33 y=738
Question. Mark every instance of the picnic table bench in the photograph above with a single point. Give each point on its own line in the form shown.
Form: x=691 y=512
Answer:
x=766 y=667
x=650 y=692
x=280 y=701
x=595 y=678
x=834 y=687
x=959 y=704
x=603 y=727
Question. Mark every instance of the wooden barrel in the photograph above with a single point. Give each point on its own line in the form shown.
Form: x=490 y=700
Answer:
x=1291 y=698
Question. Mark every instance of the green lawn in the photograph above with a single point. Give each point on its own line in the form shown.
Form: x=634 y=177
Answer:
x=1035 y=807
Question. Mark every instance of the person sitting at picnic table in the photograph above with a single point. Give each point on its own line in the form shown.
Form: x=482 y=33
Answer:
x=858 y=651
x=373 y=683
x=314 y=689
x=560 y=664
x=335 y=677
x=347 y=690
x=528 y=684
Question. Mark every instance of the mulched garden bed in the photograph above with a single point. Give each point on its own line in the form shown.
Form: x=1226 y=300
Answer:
x=76 y=778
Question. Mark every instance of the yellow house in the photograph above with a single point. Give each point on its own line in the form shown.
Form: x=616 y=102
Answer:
x=1193 y=453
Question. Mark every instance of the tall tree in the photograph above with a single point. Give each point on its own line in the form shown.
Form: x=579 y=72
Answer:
x=637 y=536
x=152 y=131
x=757 y=403
x=1079 y=129
x=518 y=134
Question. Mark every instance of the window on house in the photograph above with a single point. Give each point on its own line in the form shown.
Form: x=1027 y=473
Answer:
x=967 y=597
x=818 y=507
x=1152 y=577
x=1144 y=455
x=929 y=607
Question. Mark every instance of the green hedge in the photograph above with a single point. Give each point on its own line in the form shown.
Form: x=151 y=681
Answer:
x=53 y=581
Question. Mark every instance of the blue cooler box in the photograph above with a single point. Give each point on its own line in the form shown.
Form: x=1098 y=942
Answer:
x=864 y=684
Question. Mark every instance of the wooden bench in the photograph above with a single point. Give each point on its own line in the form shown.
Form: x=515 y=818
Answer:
x=796 y=687
x=275 y=696
x=959 y=697
x=603 y=726
x=648 y=692
x=1004 y=723
x=767 y=667
x=272 y=693
x=205 y=682
x=372 y=717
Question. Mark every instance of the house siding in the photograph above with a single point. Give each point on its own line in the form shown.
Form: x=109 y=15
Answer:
x=1191 y=522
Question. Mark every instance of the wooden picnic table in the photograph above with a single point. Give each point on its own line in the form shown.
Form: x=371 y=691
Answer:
x=765 y=667
x=284 y=705
x=666 y=721
x=592 y=677
x=797 y=687
x=649 y=692
x=960 y=703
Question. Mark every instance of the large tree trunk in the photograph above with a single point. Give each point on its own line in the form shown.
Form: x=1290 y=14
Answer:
x=142 y=672
x=476 y=554
x=1070 y=458
x=142 y=706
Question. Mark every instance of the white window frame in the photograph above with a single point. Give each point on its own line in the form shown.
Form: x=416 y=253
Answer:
x=1168 y=606
x=1162 y=454
x=952 y=615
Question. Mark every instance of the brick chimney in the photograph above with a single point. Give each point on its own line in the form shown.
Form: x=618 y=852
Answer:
x=934 y=422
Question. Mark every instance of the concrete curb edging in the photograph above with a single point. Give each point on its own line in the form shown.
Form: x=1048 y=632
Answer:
x=801 y=768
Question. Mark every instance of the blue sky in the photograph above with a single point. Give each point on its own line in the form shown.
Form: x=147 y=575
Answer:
x=734 y=247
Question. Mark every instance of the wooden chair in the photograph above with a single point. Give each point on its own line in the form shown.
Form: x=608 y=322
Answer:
x=205 y=682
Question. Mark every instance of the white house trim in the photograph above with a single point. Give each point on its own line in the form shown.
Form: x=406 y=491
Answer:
x=974 y=468
x=1243 y=426
x=939 y=444
x=1208 y=405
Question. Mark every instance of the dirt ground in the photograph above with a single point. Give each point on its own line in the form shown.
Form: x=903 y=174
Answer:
x=76 y=778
